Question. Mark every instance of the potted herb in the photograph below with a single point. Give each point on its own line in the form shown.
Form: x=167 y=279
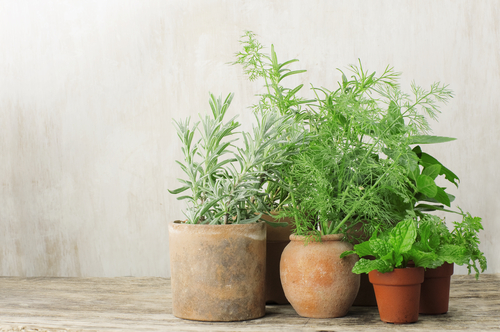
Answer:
x=460 y=246
x=217 y=255
x=397 y=285
x=344 y=184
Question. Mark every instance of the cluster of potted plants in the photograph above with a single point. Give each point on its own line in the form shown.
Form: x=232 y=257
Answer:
x=343 y=168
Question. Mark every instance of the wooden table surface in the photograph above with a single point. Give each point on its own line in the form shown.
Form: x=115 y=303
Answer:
x=145 y=304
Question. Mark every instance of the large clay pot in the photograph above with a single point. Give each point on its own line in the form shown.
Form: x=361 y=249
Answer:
x=398 y=294
x=277 y=239
x=435 y=292
x=316 y=281
x=218 y=271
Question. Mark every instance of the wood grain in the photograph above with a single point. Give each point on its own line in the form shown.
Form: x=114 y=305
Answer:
x=145 y=304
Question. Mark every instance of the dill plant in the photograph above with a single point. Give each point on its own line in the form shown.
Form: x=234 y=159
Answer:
x=357 y=165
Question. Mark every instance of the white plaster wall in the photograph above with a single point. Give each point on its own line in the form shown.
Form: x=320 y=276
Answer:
x=88 y=90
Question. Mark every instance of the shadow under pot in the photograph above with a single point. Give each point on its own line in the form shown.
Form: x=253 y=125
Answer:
x=217 y=271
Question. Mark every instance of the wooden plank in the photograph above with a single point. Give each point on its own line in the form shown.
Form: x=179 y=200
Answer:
x=145 y=304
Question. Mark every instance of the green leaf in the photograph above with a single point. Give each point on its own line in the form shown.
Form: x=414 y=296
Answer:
x=291 y=73
x=428 y=139
x=424 y=259
x=428 y=160
x=364 y=249
x=402 y=236
x=442 y=197
x=251 y=220
x=432 y=171
x=366 y=266
x=451 y=253
x=426 y=185
x=347 y=253
x=178 y=190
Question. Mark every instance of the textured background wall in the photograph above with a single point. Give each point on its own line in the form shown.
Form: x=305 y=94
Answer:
x=88 y=90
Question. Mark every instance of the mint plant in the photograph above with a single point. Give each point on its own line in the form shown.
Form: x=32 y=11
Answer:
x=426 y=241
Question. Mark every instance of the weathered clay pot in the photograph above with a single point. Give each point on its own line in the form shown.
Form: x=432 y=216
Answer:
x=218 y=271
x=435 y=292
x=277 y=239
x=316 y=281
x=398 y=294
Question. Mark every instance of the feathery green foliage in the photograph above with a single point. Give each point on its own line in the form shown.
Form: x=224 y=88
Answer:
x=357 y=165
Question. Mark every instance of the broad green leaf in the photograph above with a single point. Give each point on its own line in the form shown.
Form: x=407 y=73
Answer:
x=364 y=249
x=442 y=197
x=379 y=247
x=366 y=266
x=424 y=259
x=432 y=171
x=402 y=236
x=451 y=253
x=429 y=139
x=426 y=185
x=427 y=160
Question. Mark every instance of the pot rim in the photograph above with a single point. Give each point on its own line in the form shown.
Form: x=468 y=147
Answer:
x=329 y=237
x=398 y=277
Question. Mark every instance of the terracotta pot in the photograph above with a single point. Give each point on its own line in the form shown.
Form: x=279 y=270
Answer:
x=435 y=292
x=218 y=271
x=277 y=239
x=398 y=294
x=316 y=281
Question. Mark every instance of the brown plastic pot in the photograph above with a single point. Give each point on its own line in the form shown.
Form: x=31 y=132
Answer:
x=398 y=294
x=277 y=239
x=435 y=292
x=218 y=271
x=316 y=281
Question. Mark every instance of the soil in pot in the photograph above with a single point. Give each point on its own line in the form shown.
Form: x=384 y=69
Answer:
x=435 y=292
x=316 y=281
x=398 y=294
x=218 y=271
x=277 y=239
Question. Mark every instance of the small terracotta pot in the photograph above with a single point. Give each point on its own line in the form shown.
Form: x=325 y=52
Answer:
x=218 y=271
x=316 y=281
x=277 y=239
x=398 y=294
x=435 y=292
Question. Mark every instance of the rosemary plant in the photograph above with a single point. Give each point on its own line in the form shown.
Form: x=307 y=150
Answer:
x=225 y=181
